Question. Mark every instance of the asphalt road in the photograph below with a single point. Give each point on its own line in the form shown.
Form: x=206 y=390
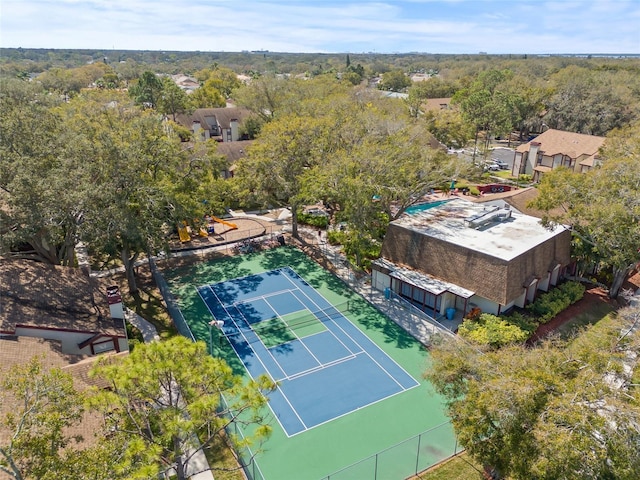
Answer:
x=504 y=154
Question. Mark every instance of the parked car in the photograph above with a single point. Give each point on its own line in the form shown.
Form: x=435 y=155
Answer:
x=491 y=167
x=501 y=164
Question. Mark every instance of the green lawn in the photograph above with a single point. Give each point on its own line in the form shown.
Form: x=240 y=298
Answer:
x=460 y=467
x=590 y=317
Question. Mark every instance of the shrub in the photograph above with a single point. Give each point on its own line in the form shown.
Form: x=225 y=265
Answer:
x=549 y=304
x=320 y=221
x=336 y=237
x=522 y=321
x=474 y=191
x=492 y=331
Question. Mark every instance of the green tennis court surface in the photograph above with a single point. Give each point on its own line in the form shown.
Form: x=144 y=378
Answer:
x=356 y=437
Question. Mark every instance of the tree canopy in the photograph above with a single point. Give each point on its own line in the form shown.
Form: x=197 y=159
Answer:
x=553 y=411
x=164 y=395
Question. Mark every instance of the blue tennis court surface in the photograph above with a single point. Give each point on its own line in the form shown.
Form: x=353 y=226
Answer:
x=325 y=366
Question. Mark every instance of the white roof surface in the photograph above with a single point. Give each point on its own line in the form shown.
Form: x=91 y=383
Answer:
x=505 y=239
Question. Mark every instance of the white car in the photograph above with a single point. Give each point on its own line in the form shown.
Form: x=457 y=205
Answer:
x=501 y=165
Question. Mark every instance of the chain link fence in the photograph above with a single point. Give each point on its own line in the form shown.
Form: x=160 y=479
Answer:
x=405 y=459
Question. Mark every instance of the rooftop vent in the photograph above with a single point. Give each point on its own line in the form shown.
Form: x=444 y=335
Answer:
x=491 y=215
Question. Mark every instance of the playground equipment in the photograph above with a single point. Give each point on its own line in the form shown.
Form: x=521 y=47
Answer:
x=183 y=233
x=231 y=226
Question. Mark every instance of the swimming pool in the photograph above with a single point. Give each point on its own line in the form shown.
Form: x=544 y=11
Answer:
x=421 y=207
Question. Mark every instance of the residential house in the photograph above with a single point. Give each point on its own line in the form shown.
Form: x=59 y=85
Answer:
x=185 y=82
x=233 y=151
x=555 y=148
x=220 y=124
x=460 y=255
x=58 y=303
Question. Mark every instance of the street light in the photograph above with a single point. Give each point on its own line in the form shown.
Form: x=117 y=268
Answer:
x=214 y=323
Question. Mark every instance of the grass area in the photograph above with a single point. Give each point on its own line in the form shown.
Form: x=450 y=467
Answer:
x=460 y=467
x=222 y=462
x=585 y=319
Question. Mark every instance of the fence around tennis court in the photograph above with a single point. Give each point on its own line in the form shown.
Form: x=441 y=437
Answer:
x=402 y=460
x=405 y=459
x=172 y=304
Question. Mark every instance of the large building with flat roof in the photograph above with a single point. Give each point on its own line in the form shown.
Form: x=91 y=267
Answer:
x=460 y=255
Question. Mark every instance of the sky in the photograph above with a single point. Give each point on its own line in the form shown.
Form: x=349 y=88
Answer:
x=326 y=26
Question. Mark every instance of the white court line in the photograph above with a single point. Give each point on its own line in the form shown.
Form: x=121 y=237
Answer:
x=361 y=333
x=260 y=360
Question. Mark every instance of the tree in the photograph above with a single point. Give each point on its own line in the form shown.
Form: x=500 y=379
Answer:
x=207 y=96
x=140 y=176
x=434 y=87
x=147 y=90
x=264 y=95
x=487 y=105
x=606 y=226
x=173 y=99
x=222 y=79
x=553 y=411
x=39 y=445
x=273 y=168
x=394 y=81
x=585 y=101
x=43 y=203
x=165 y=394
x=449 y=127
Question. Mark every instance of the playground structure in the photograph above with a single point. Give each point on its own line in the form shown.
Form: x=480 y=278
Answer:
x=232 y=226
x=185 y=232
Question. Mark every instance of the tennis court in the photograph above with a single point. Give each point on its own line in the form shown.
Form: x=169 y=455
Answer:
x=325 y=367
x=351 y=385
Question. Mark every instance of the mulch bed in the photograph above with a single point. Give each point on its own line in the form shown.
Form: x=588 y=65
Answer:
x=592 y=297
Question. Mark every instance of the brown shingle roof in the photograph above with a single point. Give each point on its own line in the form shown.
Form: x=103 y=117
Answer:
x=223 y=116
x=20 y=350
x=234 y=151
x=436 y=104
x=50 y=296
x=554 y=142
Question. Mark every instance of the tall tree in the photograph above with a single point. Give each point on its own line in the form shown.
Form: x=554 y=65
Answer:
x=487 y=105
x=139 y=172
x=272 y=171
x=587 y=101
x=47 y=404
x=207 y=96
x=42 y=200
x=173 y=99
x=548 y=412
x=147 y=90
x=394 y=81
x=163 y=394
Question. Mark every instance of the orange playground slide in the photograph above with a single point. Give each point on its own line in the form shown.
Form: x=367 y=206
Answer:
x=232 y=226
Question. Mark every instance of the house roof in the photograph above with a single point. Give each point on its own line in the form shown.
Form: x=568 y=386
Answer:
x=520 y=200
x=20 y=350
x=47 y=296
x=554 y=142
x=234 y=151
x=504 y=240
x=223 y=116
x=436 y=103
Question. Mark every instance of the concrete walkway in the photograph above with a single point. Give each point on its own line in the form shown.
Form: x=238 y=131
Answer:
x=148 y=330
x=417 y=323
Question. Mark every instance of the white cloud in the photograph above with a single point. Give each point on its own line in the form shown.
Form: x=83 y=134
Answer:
x=438 y=26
